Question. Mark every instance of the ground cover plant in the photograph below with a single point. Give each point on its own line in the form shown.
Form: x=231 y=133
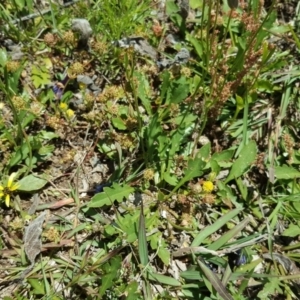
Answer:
x=149 y=149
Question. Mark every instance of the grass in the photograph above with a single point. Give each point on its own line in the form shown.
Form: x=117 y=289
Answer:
x=125 y=179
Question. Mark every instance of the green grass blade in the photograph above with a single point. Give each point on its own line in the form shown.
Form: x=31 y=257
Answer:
x=228 y=235
x=164 y=279
x=142 y=239
x=214 y=227
x=215 y=281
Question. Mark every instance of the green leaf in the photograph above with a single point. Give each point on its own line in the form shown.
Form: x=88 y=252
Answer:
x=292 y=231
x=229 y=235
x=224 y=156
x=196 y=43
x=163 y=279
x=111 y=194
x=204 y=152
x=40 y=76
x=118 y=123
x=3 y=57
x=180 y=91
x=194 y=169
x=171 y=7
x=270 y=288
x=45 y=150
x=20 y=154
x=286 y=172
x=38 y=287
x=170 y=179
x=244 y=161
x=132 y=291
x=48 y=135
x=142 y=239
x=143 y=91
x=164 y=255
x=111 y=269
x=215 y=281
x=31 y=183
x=195 y=4
x=207 y=231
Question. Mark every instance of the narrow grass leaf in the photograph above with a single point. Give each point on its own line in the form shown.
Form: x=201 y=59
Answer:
x=163 y=279
x=142 y=239
x=207 y=231
x=229 y=235
x=191 y=275
x=226 y=275
x=215 y=281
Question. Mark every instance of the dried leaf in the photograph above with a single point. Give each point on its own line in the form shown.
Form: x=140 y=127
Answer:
x=32 y=241
x=34 y=205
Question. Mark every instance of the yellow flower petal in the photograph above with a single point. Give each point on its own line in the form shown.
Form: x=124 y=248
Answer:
x=14 y=187
x=7 y=199
x=1 y=188
x=1 y=194
x=11 y=179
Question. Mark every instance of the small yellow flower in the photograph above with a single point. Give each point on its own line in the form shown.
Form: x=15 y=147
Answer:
x=70 y=113
x=63 y=106
x=207 y=186
x=6 y=191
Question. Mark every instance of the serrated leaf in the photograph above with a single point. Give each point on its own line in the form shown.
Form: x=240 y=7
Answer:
x=40 y=76
x=114 y=193
x=270 y=288
x=31 y=183
x=286 y=172
x=244 y=161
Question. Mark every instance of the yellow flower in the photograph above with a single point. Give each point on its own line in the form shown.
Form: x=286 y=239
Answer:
x=207 y=186
x=63 y=106
x=6 y=191
x=70 y=113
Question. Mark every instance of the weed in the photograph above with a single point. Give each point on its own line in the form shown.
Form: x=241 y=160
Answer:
x=162 y=139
